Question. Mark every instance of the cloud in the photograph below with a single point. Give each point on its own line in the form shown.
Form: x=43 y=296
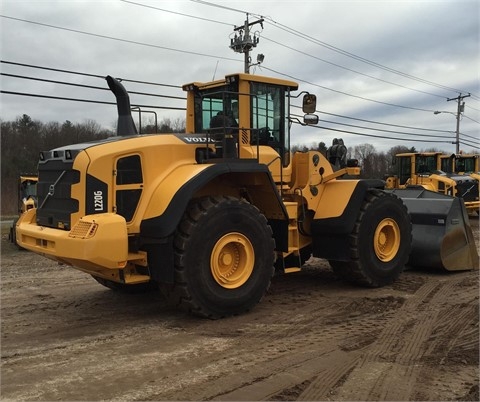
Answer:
x=376 y=39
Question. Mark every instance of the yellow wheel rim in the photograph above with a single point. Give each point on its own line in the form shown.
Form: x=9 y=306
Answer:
x=232 y=260
x=386 y=241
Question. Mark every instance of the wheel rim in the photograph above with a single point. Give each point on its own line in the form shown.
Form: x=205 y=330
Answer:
x=387 y=240
x=232 y=260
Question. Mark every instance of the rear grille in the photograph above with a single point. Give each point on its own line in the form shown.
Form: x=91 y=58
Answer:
x=55 y=205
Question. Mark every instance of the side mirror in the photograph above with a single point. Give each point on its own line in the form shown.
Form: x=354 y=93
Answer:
x=309 y=103
x=310 y=119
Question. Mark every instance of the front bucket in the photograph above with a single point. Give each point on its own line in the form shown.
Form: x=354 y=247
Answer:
x=442 y=236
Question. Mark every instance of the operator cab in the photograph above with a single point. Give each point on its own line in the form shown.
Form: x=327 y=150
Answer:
x=410 y=164
x=244 y=111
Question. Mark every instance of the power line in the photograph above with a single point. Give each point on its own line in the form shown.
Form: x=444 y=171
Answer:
x=386 y=131
x=220 y=6
x=332 y=47
x=469 y=118
x=469 y=144
x=470 y=136
x=178 y=108
x=375 y=136
x=87 y=100
x=87 y=86
x=380 y=123
x=85 y=74
x=278 y=43
x=196 y=53
x=176 y=12
x=383 y=130
x=356 y=57
x=149 y=94
x=345 y=93
x=351 y=70
x=118 y=39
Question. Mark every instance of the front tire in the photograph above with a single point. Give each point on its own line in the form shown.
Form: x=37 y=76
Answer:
x=380 y=242
x=224 y=255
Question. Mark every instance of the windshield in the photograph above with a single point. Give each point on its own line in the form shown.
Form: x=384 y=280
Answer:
x=425 y=164
x=465 y=165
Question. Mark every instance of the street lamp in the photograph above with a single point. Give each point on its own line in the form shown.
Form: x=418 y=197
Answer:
x=460 y=109
x=457 y=131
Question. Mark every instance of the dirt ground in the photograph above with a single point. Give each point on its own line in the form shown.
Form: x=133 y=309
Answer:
x=313 y=337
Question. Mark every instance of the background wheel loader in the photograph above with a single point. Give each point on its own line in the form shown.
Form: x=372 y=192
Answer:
x=437 y=172
x=460 y=163
x=27 y=199
x=210 y=215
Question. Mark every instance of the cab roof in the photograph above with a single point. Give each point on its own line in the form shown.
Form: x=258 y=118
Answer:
x=242 y=77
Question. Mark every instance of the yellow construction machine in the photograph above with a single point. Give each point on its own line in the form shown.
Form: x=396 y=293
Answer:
x=467 y=164
x=461 y=164
x=26 y=199
x=208 y=216
x=437 y=172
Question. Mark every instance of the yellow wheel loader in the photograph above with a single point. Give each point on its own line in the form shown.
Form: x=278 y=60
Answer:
x=436 y=172
x=468 y=164
x=208 y=216
x=27 y=199
x=461 y=164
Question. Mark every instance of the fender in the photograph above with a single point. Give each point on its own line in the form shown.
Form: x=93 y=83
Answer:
x=330 y=234
x=176 y=193
x=343 y=223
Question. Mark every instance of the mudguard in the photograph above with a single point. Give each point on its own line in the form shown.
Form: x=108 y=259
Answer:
x=172 y=197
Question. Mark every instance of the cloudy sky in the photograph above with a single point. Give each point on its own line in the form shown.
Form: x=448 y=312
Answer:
x=379 y=68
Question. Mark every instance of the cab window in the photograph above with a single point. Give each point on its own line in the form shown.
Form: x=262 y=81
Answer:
x=269 y=118
x=220 y=101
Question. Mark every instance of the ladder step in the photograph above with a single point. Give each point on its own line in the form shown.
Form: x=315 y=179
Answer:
x=292 y=269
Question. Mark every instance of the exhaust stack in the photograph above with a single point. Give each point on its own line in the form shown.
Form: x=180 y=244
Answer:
x=125 y=124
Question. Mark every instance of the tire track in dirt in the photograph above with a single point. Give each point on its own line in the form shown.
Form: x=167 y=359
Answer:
x=453 y=356
x=386 y=374
x=365 y=331
x=335 y=371
x=310 y=338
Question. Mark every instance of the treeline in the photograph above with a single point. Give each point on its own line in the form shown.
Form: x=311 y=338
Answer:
x=23 y=139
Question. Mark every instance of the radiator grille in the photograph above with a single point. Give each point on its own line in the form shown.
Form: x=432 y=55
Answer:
x=468 y=190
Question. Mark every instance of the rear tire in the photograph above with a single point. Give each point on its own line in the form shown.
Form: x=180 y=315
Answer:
x=224 y=255
x=380 y=242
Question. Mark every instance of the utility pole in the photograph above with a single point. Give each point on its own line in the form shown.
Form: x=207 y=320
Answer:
x=460 y=109
x=243 y=42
